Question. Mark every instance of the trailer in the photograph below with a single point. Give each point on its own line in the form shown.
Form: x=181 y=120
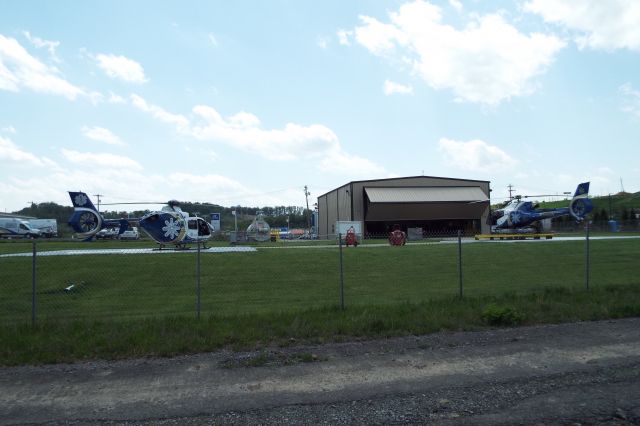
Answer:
x=48 y=227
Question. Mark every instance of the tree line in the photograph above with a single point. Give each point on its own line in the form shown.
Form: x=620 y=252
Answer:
x=278 y=216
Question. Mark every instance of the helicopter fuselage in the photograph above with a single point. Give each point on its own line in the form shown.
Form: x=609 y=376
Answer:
x=524 y=216
x=171 y=225
x=518 y=214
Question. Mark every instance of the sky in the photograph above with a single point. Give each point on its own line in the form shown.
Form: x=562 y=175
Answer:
x=247 y=102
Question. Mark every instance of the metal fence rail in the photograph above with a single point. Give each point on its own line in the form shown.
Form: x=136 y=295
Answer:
x=40 y=284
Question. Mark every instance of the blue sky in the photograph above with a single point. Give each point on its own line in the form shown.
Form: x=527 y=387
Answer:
x=246 y=102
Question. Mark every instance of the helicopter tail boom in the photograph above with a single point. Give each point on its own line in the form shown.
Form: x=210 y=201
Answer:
x=87 y=221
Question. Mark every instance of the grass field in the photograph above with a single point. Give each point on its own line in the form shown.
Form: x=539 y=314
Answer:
x=130 y=305
x=277 y=280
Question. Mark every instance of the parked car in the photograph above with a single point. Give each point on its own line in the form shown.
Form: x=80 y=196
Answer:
x=107 y=234
x=130 y=234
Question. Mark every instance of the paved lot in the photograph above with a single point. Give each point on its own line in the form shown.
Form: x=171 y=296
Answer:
x=586 y=373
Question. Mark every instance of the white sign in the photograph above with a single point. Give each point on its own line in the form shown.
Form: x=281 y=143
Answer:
x=215 y=221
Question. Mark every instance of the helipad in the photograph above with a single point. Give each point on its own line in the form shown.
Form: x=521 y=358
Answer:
x=130 y=251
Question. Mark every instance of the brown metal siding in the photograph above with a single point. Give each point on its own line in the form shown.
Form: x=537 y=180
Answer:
x=333 y=206
x=424 y=211
x=348 y=202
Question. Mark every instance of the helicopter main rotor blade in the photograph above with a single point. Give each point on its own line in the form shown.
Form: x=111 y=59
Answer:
x=143 y=202
x=547 y=195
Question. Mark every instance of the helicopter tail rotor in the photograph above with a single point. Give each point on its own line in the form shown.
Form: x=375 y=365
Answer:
x=581 y=205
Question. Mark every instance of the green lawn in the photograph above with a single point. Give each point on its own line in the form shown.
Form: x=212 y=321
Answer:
x=141 y=305
x=271 y=280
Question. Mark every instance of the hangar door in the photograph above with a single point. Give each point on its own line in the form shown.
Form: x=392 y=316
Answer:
x=435 y=209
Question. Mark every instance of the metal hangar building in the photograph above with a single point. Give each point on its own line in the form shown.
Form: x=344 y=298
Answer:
x=437 y=205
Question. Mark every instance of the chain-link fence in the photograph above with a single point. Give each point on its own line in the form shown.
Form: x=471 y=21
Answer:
x=59 y=281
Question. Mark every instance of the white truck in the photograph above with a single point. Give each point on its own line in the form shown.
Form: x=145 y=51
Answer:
x=17 y=228
x=48 y=227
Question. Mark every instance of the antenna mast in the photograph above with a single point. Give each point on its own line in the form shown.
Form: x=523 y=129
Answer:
x=621 y=185
x=510 y=191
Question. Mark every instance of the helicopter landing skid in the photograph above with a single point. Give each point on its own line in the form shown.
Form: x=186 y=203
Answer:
x=513 y=236
x=180 y=247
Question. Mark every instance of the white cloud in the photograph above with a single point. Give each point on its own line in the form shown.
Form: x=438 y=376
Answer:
x=115 y=99
x=212 y=39
x=102 y=135
x=631 y=102
x=243 y=131
x=344 y=37
x=11 y=153
x=456 y=4
x=475 y=156
x=161 y=114
x=18 y=69
x=116 y=183
x=391 y=87
x=51 y=46
x=9 y=129
x=106 y=160
x=611 y=24
x=120 y=67
x=488 y=61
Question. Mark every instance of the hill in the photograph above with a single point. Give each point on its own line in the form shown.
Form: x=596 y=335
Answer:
x=615 y=206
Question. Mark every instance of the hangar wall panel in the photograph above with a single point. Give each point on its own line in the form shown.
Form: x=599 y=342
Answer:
x=349 y=202
x=423 y=211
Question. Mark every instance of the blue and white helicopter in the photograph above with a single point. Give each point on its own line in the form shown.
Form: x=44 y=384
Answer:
x=168 y=226
x=519 y=216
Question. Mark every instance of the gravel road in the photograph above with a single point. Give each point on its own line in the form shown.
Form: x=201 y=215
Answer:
x=579 y=373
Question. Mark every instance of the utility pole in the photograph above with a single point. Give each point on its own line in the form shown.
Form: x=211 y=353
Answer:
x=510 y=191
x=98 y=195
x=306 y=197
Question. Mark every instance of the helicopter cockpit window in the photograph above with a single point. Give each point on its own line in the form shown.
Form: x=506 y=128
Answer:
x=193 y=224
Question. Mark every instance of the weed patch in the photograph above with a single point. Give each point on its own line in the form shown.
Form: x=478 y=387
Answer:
x=496 y=315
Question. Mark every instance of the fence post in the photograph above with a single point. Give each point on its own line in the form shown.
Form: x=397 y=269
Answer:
x=341 y=273
x=33 y=285
x=198 y=283
x=460 y=261
x=587 y=260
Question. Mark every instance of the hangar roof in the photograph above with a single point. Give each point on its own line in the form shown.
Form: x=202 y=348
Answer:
x=425 y=194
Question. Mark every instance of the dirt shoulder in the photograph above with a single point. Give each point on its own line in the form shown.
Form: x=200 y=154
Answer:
x=586 y=372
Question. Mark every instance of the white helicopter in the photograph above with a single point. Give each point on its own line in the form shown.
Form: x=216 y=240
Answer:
x=168 y=226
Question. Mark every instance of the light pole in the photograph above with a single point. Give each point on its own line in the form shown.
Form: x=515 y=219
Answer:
x=306 y=196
